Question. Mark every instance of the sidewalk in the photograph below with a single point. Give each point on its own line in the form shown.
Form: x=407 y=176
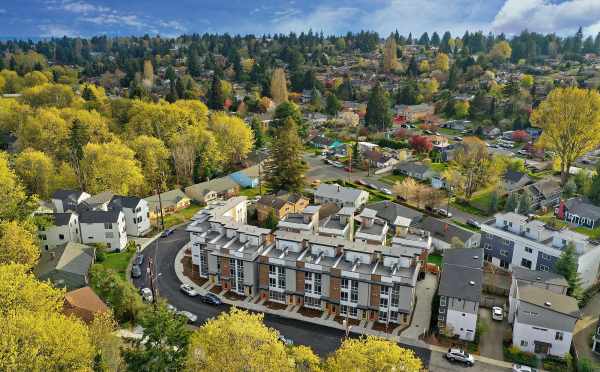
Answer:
x=323 y=320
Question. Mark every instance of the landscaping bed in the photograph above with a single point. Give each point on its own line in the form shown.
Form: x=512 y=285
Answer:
x=216 y=289
x=513 y=354
x=275 y=305
x=234 y=296
x=351 y=321
x=192 y=273
x=311 y=313
x=378 y=326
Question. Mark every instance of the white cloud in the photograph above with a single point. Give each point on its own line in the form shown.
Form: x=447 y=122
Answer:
x=547 y=16
x=326 y=19
x=57 y=30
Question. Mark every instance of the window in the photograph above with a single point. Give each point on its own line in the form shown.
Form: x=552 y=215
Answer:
x=544 y=268
x=487 y=246
x=353 y=312
x=277 y=296
x=526 y=263
x=383 y=316
x=345 y=283
x=344 y=296
x=545 y=256
x=42 y=237
x=442 y=300
x=344 y=310
x=384 y=291
x=108 y=226
x=312 y=302
x=558 y=336
x=503 y=252
x=61 y=236
x=383 y=302
x=393 y=316
x=528 y=250
x=524 y=343
x=504 y=264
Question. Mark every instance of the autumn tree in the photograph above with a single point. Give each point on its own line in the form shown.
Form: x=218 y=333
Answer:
x=442 y=62
x=421 y=144
x=570 y=123
x=501 y=51
x=372 y=353
x=107 y=345
x=54 y=95
x=154 y=158
x=148 y=79
x=16 y=205
x=195 y=154
x=36 y=170
x=390 y=55
x=234 y=138
x=18 y=243
x=279 y=91
x=122 y=296
x=111 y=166
x=285 y=167
x=461 y=109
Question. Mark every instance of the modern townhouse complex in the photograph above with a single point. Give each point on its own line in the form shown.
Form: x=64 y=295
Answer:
x=372 y=230
x=460 y=292
x=515 y=240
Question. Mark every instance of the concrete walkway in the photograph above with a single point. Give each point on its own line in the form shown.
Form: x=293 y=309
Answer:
x=422 y=314
x=328 y=321
x=585 y=327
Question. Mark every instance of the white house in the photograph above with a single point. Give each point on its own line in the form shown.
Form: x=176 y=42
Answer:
x=460 y=292
x=67 y=200
x=136 y=211
x=62 y=228
x=544 y=321
x=104 y=227
x=341 y=196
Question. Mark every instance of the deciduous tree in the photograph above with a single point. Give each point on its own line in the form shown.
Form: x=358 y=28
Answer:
x=36 y=170
x=234 y=138
x=279 y=91
x=15 y=205
x=18 y=244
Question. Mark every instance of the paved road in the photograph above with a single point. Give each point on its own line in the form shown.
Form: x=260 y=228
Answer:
x=323 y=340
x=437 y=363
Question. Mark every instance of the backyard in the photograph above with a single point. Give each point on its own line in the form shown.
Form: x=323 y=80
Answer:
x=117 y=261
x=182 y=216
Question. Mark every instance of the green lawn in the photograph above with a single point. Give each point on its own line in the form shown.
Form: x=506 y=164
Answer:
x=391 y=179
x=439 y=167
x=435 y=258
x=481 y=200
x=253 y=192
x=181 y=216
x=592 y=233
x=117 y=261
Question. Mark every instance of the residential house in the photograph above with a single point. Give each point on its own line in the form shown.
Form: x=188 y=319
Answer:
x=414 y=113
x=367 y=146
x=205 y=192
x=325 y=143
x=280 y=205
x=443 y=233
x=393 y=213
x=514 y=180
x=460 y=292
x=340 y=195
x=379 y=160
x=546 y=193
x=248 y=177
x=511 y=240
x=544 y=321
x=579 y=211
x=439 y=142
x=372 y=230
x=67 y=200
x=171 y=201
x=67 y=265
x=343 y=278
x=104 y=227
x=136 y=211
x=416 y=170
x=83 y=303
x=60 y=229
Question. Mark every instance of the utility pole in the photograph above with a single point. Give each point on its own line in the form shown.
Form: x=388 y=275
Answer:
x=151 y=277
x=260 y=171
x=162 y=217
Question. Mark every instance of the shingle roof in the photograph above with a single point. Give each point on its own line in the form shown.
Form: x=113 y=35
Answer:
x=583 y=207
x=64 y=194
x=443 y=230
x=99 y=216
x=167 y=198
x=335 y=191
x=412 y=167
x=72 y=257
x=129 y=202
x=272 y=201
x=462 y=275
x=61 y=219
x=549 y=300
x=84 y=303
x=388 y=211
x=513 y=176
x=521 y=273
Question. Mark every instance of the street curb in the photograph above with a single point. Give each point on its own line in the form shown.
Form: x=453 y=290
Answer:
x=130 y=264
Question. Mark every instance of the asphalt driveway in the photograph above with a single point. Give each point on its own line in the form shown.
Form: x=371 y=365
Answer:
x=490 y=344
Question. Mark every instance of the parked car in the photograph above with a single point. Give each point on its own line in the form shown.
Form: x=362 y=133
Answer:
x=136 y=271
x=458 y=138
x=171 y=308
x=386 y=191
x=190 y=317
x=139 y=259
x=443 y=212
x=497 y=313
x=211 y=298
x=522 y=368
x=146 y=294
x=166 y=233
x=188 y=290
x=473 y=223
x=373 y=186
x=286 y=341
x=348 y=169
x=362 y=182
x=459 y=355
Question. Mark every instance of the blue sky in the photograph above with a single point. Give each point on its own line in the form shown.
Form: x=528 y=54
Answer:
x=35 y=18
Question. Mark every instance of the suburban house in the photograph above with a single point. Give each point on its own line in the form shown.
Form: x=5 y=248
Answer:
x=391 y=212
x=513 y=180
x=281 y=205
x=546 y=193
x=83 y=303
x=413 y=113
x=579 y=211
x=348 y=279
x=205 y=192
x=416 y=170
x=379 y=160
x=543 y=321
x=340 y=195
x=67 y=265
x=325 y=143
x=61 y=228
x=372 y=230
x=104 y=227
x=67 y=200
x=512 y=240
x=172 y=201
x=247 y=178
x=442 y=233
x=460 y=291
x=136 y=211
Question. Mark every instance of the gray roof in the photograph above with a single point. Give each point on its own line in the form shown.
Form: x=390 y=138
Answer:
x=521 y=273
x=129 y=202
x=101 y=198
x=99 y=216
x=65 y=194
x=71 y=257
x=335 y=191
x=217 y=185
x=167 y=198
x=60 y=219
x=583 y=207
x=543 y=308
x=462 y=275
x=513 y=176
x=388 y=211
x=443 y=230
x=412 y=167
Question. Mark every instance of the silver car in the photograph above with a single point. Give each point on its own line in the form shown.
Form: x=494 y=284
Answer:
x=190 y=317
x=459 y=355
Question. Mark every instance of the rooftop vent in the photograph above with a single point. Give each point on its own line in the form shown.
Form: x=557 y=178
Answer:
x=471 y=282
x=539 y=278
x=548 y=303
x=475 y=257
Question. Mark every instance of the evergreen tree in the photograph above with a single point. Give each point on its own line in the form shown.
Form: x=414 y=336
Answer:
x=511 y=202
x=356 y=156
x=271 y=221
x=346 y=91
x=194 y=67
x=259 y=136
x=525 y=202
x=408 y=94
x=285 y=167
x=333 y=105
x=216 y=97
x=316 y=100
x=494 y=201
x=413 y=68
x=379 y=115
x=78 y=138
x=452 y=77
x=567 y=265
x=435 y=39
x=445 y=43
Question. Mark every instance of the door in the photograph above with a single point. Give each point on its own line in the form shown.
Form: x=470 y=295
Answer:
x=541 y=347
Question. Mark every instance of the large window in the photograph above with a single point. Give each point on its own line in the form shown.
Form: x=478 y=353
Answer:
x=277 y=296
x=526 y=263
x=203 y=263
x=236 y=270
x=276 y=277
x=312 y=302
x=312 y=283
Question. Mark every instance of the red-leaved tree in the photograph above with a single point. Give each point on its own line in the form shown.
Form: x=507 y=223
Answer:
x=520 y=135
x=421 y=144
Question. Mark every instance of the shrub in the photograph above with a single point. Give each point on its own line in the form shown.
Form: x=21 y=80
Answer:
x=556 y=364
x=515 y=355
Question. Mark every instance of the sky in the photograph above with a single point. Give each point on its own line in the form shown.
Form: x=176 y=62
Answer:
x=56 y=18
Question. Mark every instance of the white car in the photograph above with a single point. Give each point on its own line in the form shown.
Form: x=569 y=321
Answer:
x=521 y=368
x=459 y=355
x=188 y=290
x=442 y=212
x=386 y=191
x=190 y=317
x=147 y=294
x=497 y=313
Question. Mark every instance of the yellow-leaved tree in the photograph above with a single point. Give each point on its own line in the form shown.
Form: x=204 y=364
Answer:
x=18 y=243
x=279 y=91
x=239 y=341
x=15 y=205
x=570 y=123
x=234 y=137
x=372 y=354
x=36 y=170
x=390 y=54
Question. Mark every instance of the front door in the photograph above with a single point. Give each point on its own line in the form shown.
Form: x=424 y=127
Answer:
x=541 y=347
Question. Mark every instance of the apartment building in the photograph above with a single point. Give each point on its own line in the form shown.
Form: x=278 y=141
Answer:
x=338 y=225
x=350 y=279
x=372 y=230
x=512 y=240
